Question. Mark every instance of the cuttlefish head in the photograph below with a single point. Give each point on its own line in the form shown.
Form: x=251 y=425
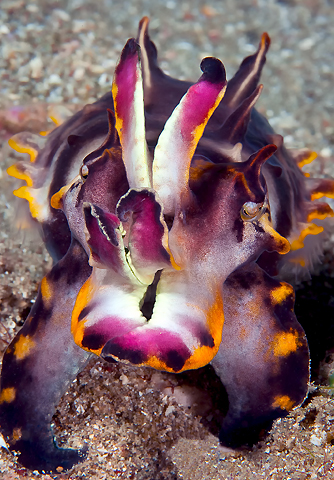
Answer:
x=163 y=227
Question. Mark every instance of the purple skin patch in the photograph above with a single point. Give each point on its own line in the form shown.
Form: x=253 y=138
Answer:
x=162 y=207
x=102 y=240
x=140 y=215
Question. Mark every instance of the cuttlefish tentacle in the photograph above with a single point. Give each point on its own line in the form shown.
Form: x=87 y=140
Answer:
x=272 y=348
x=37 y=369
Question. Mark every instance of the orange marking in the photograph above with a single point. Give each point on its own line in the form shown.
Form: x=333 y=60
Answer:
x=17 y=435
x=281 y=293
x=56 y=120
x=308 y=159
x=25 y=193
x=321 y=211
x=118 y=119
x=324 y=189
x=172 y=259
x=285 y=343
x=46 y=290
x=283 y=401
x=57 y=198
x=311 y=229
x=8 y=395
x=23 y=347
x=13 y=171
x=21 y=148
x=78 y=328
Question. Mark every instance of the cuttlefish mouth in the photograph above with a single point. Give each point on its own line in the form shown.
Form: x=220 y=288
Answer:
x=159 y=261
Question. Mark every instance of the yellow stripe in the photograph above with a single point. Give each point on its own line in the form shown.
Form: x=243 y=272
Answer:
x=25 y=192
x=13 y=171
x=23 y=347
x=309 y=159
x=78 y=328
x=284 y=402
x=8 y=395
x=19 y=147
x=46 y=290
x=311 y=229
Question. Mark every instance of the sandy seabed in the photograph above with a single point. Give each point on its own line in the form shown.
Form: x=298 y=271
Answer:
x=141 y=424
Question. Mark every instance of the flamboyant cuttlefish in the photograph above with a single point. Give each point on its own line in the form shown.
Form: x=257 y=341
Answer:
x=167 y=208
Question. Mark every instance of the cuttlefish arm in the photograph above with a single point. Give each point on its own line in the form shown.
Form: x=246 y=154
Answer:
x=40 y=364
x=263 y=359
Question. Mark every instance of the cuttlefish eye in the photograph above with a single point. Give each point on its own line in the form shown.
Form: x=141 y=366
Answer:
x=84 y=172
x=251 y=211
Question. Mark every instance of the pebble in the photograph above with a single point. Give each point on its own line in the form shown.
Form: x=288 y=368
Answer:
x=317 y=441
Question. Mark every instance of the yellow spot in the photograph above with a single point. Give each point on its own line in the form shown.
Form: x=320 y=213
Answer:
x=78 y=328
x=281 y=293
x=21 y=148
x=285 y=343
x=13 y=171
x=46 y=290
x=311 y=229
x=283 y=401
x=23 y=347
x=215 y=321
x=305 y=161
x=17 y=435
x=56 y=199
x=8 y=395
x=45 y=133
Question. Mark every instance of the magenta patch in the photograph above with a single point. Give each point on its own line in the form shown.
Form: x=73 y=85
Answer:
x=140 y=214
x=102 y=240
x=125 y=80
x=142 y=343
